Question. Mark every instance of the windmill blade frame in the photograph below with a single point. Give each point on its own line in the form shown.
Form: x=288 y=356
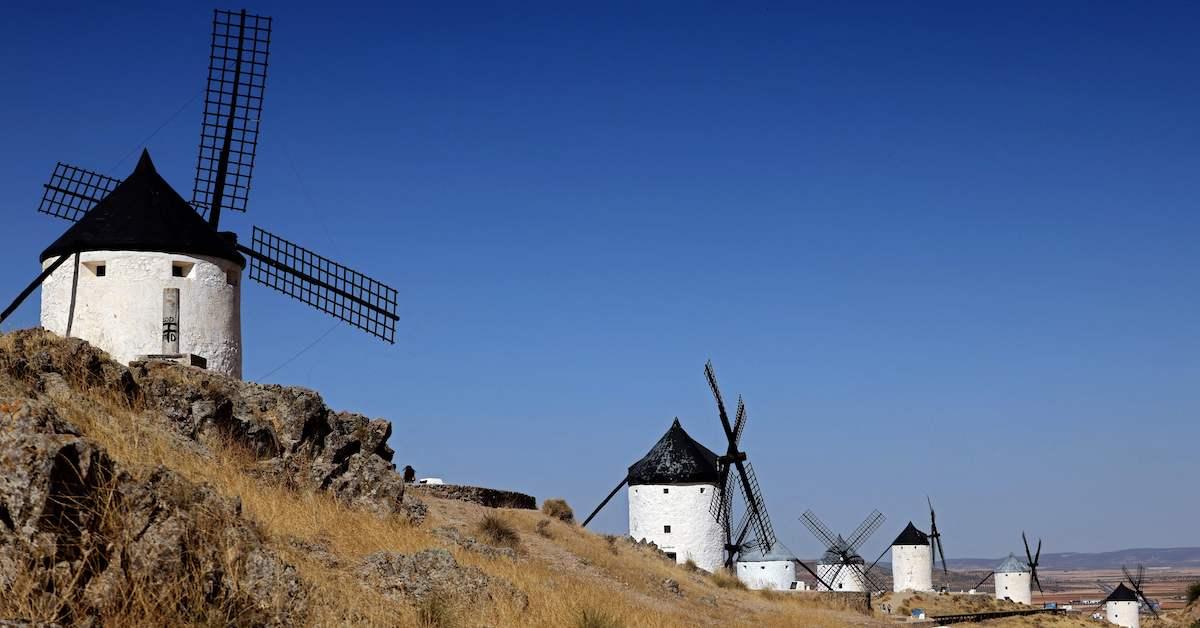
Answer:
x=819 y=529
x=739 y=421
x=1033 y=561
x=326 y=285
x=864 y=530
x=233 y=98
x=935 y=536
x=72 y=191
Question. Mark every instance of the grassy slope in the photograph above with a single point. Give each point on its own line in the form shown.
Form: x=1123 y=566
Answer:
x=566 y=571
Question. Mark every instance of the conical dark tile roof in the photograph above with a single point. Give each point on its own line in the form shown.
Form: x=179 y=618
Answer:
x=144 y=213
x=1122 y=594
x=675 y=459
x=911 y=536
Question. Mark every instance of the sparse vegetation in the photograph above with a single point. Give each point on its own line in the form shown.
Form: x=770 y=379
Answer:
x=591 y=618
x=436 y=611
x=726 y=580
x=1193 y=592
x=558 y=509
x=543 y=529
x=691 y=566
x=495 y=530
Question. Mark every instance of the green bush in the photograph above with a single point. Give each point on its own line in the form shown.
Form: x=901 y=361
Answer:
x=1193 y=592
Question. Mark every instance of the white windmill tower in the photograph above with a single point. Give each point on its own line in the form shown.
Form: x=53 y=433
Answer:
x=913 y=558
x=143 y=261
x=150 y=274
x=773 y=570
x=1124 y=603
x=1013 y=576
x=1014 y=580
x=670 y=491
x=912 y=561
x=1122 y=606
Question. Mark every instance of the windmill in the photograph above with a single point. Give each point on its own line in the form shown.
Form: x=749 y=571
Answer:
x=841 y=553
x=1014 y=577
x=1135 y=583
x=229 y=135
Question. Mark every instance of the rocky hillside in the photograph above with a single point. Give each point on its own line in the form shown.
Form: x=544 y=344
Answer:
x=165 y=495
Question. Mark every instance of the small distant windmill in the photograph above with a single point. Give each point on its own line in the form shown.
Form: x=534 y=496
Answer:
x=1017 y=575
x=142 y=216
x=841 y=553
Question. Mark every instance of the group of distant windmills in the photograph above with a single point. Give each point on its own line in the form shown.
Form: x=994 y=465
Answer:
x=150 y=274
x=681 y=498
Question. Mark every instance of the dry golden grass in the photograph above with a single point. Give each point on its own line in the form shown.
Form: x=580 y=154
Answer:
x=572 y=577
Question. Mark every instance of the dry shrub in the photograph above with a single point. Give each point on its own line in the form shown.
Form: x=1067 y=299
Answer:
x=592 y=618
x=436 y=611
x=690 y=565
x=726 y=580
x=1193 y=592
x=558 y=509
x=543 y=529
x=497 y=531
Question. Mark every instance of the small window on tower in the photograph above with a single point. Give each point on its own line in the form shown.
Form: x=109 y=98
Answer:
x=97 y=268
x=101 y=270
x=181 y=269
x=666 y=529
x=701 y=489
x=666 y=490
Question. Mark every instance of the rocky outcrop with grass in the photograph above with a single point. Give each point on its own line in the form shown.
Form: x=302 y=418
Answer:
x=294 y=436
x=81 y=539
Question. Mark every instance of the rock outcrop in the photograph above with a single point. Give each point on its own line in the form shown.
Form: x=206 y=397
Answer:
x=296 y=438
x=93 y=541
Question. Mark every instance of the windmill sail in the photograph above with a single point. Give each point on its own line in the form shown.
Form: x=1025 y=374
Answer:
x=73 y=191
x=326 y=285
x=237 y=77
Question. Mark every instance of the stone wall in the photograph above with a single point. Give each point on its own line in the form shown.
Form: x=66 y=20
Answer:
x=490 y=497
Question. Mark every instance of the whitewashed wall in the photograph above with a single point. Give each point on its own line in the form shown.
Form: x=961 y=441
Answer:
x=1123 y=614
x=1016 y=586
x=768 y=574
x=846 y=580
x=695 y=534
x=121 y=312
x=912 y=568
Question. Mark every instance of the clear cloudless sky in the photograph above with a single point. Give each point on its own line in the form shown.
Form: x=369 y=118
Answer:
x=944 y=248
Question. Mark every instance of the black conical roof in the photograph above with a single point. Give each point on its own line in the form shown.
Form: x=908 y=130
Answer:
x=911 y=536
x=675 y=459
x=144 y=213
x=1122 y=594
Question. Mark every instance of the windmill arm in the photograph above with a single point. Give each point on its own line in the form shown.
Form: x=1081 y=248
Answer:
x=32 y=286
x=604 y=503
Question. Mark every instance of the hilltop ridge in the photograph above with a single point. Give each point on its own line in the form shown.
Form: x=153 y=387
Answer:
x=163 y=494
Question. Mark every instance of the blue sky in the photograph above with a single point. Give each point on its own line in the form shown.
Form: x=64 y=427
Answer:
x=940 y=248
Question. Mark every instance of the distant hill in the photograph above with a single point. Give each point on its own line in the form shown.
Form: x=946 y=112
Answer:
x=1150 y=557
